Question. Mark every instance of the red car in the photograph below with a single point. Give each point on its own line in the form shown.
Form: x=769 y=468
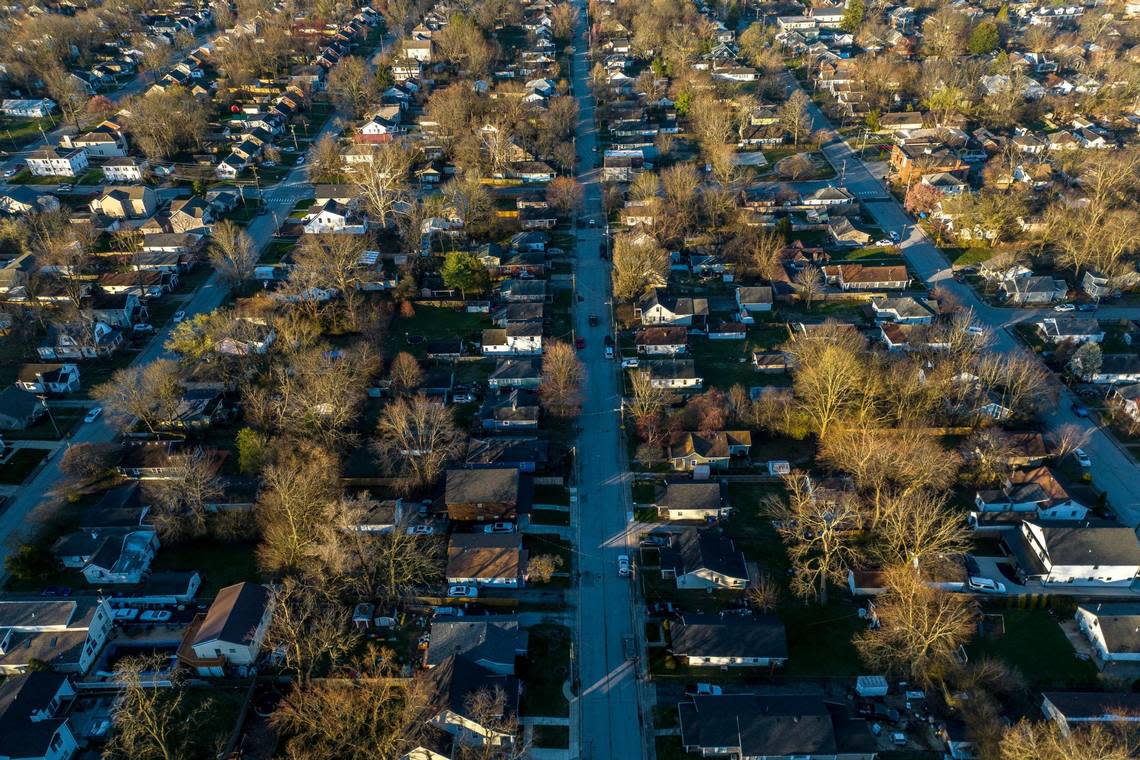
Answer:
x=579 y=343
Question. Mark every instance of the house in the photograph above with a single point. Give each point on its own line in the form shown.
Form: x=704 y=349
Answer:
x=20 y=199
x=714 y=451
x=66 y=634
x=526 y=453
x=27 y=109
x=693 y=501
x=703 y=559
x=864 y=277
x=118 y=310
x=493 y=643
x=725 y=330
x=828 y=196
x=516 y=339
x=231 y=632
x=451 y=684
x=19 y=409
x=1071 y=329
x=48 y=378
x=79 y=340
x=496 y=560
x=1128 y=398
x=770 y=361
x=911 y=161
x=1068 y=552
x=334 y=217
x=197 y=409
x=662 y=341
x=117 y=556
x=661 y=308
x=783 y=726
x=1113 y=630
x=485 y=495
x=144 y=284
x=517 y=409
x=33 y=721
x=516 y=373
x=1069 y=709
x=754 y=299
x=1117 y=369
x=191 y=215
x=1033 y=289
x=125 y=169
x=99 y=143
x=57 y=162
x=523 y=291
x=713 y=641
x=1036 y=491
x=418 y=50
x=903 y=310
x=677 y=374
x=127 y=202
x=907 y=337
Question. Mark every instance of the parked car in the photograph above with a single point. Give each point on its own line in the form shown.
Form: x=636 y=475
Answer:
x=499 y=527
x=661 y=608
x=623 y=565
x=579 y=343
x=593 y=320
x=300 y=160
x=894 y=236
x=1080 y=410
x=1086 y=307
x=93 y=414
x=463 y=398
x=463 y=591
x=126 y=614
x=986 y=585
x=609 y=344
x=55 y=591
x=703 y=689
x=142 y=328
x=155 y=616
x=1064 y=307
x=9 y=172
x=629 y=363
x=179 y=316
x=1082 y=458
x=421 y=530
x=66 y=187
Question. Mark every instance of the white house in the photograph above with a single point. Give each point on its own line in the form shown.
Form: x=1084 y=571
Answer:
x=334 y=217
x=711 y=641
x=693 y=501
x=495 y=560
x=232 y=631
x=1074 y=552
x=66 y=634
x=27 y=109
x=704 y=559
x=57 y=162
x=33 y=723
x=516 y=339
x=124 y=169
x=1112 y=629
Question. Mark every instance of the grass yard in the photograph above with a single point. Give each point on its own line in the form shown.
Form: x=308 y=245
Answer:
x=552 y=737
x=821 y=639
x=1031 y=638
x=433 y=323
x=544 y=670
x=65 y=418
x=670 y=748
x=276 y=251
x=20 y=465
x=725 y=363
x=220 y=564
x=964 y=257
x=215 y=712
x=537 y=543
x=19 y=132
x=548 y=494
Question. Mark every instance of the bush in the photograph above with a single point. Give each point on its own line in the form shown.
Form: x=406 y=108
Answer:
x=251 y=451
x=31 y=561
x=86 y=461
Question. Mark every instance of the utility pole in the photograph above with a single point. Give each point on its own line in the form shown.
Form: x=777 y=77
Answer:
x=293 y=131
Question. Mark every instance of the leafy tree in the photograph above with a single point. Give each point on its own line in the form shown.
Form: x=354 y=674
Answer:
x=252 y=448
x=542 y=568
x=463 y=270
x=853 y=15
x=1086 y=360
x=984 y=39
x=31 y=561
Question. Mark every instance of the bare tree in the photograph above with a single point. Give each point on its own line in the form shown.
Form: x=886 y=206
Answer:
x=562 y=376
x=1044 y=740
x=382 y=182
x=184 y=498
x=808 y=282
x=764 y=595
x=148 y=394
x=638 y=264
x=232 y=252
x=646 y=404
x=294 y=505
x=405 y=373
x=1067 y=439
x=818 y=534
x=541 y=569
x=498 y=728
x=918 y=529
x=325 y=161
x=794 y=116
x=920 y=627
x=149 y=722
x=417 y=438
x=829 y=374
x=308 y=628
x=86 y=461
x=332 y=262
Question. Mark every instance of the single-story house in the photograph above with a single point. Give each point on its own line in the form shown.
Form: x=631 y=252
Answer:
x=486 y=559
x=231 y=632
x=693 y=501
x=714 y=641
x=704 y=559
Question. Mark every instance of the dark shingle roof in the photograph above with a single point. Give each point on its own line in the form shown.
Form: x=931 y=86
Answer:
x=760 y=725
x=234 y=614
x=730 y=636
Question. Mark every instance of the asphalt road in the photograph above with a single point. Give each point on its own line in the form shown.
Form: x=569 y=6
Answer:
x=609 y=721
x=1113 y=469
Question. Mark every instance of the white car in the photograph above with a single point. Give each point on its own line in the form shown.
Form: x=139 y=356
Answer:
x=300 y=160
x=93 y=414
x=126 y=614
x=703 y=689
x=142 y=328
x=623 y=565
x=986 y=585
x=9 y=172
x=1082 y=458
x=179 y=316
x=461 y=591
x=499 y=527
x=1064 y=307
x=421 y=530
x=155 y=616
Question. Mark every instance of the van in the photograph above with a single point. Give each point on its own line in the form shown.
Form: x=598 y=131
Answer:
x=609 y=343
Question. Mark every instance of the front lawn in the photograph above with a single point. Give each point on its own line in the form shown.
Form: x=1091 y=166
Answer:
x=552 y=737
x=1033 y=637
x=20 y=465
x=544 y=670
x=549 y=517
x=548 y=494
x=821 y=639
x=66 y=418
x=430 y=323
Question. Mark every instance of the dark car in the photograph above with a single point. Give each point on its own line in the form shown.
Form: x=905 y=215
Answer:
x=593 y=320
x=579 y=343
x=1080 y=410
x=55 y=591
x=1086 y=307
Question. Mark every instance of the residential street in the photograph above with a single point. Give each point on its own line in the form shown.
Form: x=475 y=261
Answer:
x=610 y=724
x=1113 y=469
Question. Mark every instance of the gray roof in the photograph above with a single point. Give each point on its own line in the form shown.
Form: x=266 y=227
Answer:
x=496 y=639
x=730 y=636
x=20 y=697
x=693 y=550
x=234 y=615
x=482 y=486
x=761 y=726
x=1089 y=705
x=707 y=495
x=1076 y=544
x=1119 y=625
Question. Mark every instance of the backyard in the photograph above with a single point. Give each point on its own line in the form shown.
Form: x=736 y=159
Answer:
x=544 y=670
